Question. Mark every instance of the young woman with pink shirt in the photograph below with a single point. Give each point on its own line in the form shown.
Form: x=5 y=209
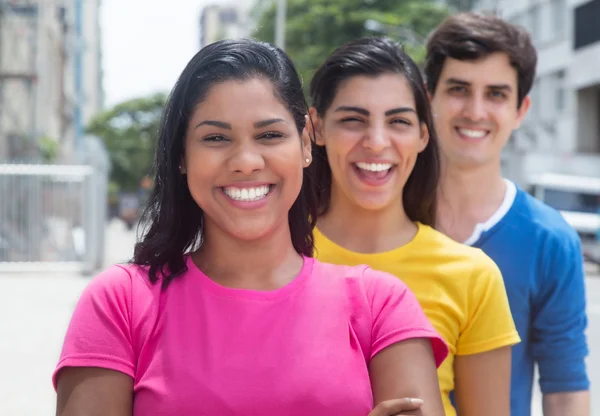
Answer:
x=223 y=310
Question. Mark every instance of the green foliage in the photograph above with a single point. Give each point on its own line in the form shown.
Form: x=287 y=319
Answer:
x=48 y=149
x=130 y=131
x=314 y=28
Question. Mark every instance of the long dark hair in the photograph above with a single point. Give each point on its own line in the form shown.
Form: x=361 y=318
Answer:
x=172 y=217
x=374 y=56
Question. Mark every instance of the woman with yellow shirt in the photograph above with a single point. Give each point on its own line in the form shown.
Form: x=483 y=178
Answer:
x=375 y=169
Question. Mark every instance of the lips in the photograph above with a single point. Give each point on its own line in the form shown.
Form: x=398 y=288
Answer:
x=373 y=173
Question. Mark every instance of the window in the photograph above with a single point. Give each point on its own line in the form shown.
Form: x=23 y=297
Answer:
x=587 y=30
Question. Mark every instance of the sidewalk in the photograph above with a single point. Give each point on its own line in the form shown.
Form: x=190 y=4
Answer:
x=34 y=313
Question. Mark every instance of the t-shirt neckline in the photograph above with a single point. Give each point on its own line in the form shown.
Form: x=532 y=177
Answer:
x=251 y=294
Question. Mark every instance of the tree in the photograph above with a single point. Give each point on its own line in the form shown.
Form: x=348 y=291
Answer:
x=130 y=131
x=314 y=28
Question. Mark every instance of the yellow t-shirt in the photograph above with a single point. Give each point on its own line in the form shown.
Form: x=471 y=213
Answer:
x=459 y=287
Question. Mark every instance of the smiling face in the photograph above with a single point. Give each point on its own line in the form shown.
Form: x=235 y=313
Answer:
x=373 y=136
x=475 y=109
x=244 y=159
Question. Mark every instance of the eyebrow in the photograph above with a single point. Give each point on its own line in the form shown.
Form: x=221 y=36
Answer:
x=227 y=126
x=214 y=123
x=366 y=112
x=456 y=81
x=265 y=123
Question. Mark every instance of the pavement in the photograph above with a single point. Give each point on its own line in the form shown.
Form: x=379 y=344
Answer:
x=35 y=310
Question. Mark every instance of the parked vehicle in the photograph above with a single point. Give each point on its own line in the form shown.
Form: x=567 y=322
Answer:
x=578 y=200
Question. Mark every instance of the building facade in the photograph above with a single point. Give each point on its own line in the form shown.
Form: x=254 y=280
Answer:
x=561 y=133
x=50 y=75
x=222 y=21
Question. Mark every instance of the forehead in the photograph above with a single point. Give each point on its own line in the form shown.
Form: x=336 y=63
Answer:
x=494 y=69
x=381 y=90
x=252 y=98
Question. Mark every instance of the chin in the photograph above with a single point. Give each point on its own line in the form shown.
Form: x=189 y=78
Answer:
x=373 y=203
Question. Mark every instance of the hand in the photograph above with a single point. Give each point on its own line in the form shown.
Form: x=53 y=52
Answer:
x=396 y=406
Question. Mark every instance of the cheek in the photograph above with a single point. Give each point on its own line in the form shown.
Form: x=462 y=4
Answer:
x=446 y=109
x=340 y=142
x=408 y=143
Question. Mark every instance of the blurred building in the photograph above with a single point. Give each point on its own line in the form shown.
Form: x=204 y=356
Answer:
x=218 y=21
x=50 y=75
x=561 y=133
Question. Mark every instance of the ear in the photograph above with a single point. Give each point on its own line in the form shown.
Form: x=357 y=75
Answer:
x=522 y=111
x=314 y=126
x=306 y=144
x=182 y=169
x=424 y=139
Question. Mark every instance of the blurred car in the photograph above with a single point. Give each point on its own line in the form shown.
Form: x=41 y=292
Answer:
x=577 y=198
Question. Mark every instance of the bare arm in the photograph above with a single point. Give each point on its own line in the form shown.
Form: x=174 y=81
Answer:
x=407 y=369
x=482 y=384
x=573 y=404
x=87 y=391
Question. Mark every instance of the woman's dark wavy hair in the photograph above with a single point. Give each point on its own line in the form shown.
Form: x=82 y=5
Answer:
x=172 y=217
x=374 y=56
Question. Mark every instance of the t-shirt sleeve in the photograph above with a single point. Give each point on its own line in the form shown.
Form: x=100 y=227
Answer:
x=489 y=324
x=99 y=333
x=397 y=315
x=559 y=320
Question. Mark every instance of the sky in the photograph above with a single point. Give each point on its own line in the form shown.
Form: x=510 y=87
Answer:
x=146 y=45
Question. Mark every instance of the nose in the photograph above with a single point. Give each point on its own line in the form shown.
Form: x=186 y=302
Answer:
x=376 y=139
x=474 y=108
x=246 y=159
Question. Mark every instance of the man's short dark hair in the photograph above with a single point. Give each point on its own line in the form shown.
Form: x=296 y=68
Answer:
x=472 y=36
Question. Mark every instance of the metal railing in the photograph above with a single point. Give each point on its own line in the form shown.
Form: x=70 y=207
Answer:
x=52 y=217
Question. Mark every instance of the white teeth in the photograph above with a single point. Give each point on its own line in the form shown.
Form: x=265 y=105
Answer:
x=247 y=194
x=475 y=134
x=374 y=167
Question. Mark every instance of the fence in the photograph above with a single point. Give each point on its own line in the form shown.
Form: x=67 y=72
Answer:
x=52 y=217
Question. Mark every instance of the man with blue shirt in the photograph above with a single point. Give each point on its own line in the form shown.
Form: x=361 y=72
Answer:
x=479 y=72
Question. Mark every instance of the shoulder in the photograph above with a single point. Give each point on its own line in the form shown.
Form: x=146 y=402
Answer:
x=543 y=220
x=555 y=244
x=122 y=279
x=358 y=282
x=366 y=276
x=465 y=260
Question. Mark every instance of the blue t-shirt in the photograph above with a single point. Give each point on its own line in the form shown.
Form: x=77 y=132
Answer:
x=541 y=261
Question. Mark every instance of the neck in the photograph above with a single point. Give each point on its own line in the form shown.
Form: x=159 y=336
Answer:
x=467 y=197
x=363 y=230
x=267 y=263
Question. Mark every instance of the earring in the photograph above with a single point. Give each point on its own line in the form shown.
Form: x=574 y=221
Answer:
x=307 y=160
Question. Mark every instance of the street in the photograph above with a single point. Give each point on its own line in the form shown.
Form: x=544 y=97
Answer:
x=35 y=311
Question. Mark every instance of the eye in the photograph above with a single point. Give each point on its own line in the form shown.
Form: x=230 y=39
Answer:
x=498 y=94
x=401 y=121
x=271 y=135
x=214 y=139
x=457 y=89
x=351 y=119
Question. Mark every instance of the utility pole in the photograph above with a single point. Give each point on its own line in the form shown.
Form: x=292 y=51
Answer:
x=280 y=23
x=78 y=74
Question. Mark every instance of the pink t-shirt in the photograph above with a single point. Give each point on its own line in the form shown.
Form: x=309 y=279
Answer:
x=198 y=348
